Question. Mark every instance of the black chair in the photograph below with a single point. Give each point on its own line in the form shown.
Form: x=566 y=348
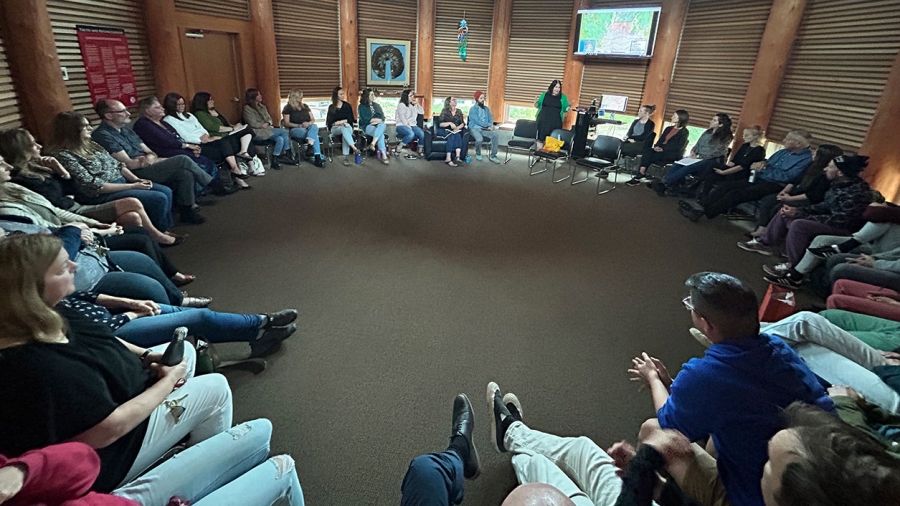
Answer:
x=631 y=163
x=436 y=144
x=553 y=159
x=523 y=138
x=604 y=153
x=267 y=146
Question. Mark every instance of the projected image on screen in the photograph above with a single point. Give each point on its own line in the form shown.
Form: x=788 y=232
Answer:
x=617 y=32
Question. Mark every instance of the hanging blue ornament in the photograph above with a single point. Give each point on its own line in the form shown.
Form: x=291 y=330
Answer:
x=462 y=38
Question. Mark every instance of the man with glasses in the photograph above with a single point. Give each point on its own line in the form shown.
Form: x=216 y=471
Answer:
x=734 y=394
x=179 y=172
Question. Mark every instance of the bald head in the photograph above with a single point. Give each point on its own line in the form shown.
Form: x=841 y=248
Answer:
x=112 y=111
x=537 y=494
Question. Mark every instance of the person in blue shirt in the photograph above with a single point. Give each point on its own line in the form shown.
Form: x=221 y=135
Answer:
x=734 y=394
x=481 y=126
x=768 y=177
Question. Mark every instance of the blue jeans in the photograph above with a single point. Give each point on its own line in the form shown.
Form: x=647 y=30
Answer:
x=282 y=140
x=345 y=132
x=679 y=172
x=211 y=325
x=377 y=133
x=305 y=134
x=435 y=479
x=157 y=201
x=407 y=134
x=480 y=135
x=142 y=279
x=228 y=468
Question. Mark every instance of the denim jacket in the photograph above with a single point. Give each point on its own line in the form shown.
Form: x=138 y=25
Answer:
x=480 y=117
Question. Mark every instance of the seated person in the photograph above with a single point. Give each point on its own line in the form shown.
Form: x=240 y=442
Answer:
x=188 y=128
x=799 y=470
x=738 y=168
x=481 y=126
x=854 y=410
x=770 y=177
x=868 y=255
x=451 y=125
x=371 y=120
x=179 y=173
x=639 y=132
x=879 y=333
x=302 y=123
x=46 y=176
x=865 y=298
x=340 y=121
x=668 y=148
x=257 y=116
x=809 y=190
x=217 y=125
x=164 y=140
x=840 y=212
x=146 y=323
x=733 y=394
x=84 y=384
x=408 y=129
x=710 y=150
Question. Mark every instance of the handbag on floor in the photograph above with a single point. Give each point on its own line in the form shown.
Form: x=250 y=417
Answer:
x=778 y=303
x=256 y=167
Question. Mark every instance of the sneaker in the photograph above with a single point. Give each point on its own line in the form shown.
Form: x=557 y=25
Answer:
x=479 y=157
x=777 y=269
x=784 y=281
x=494 y=159
x=462 y=425
x=635 y=181
x=514 y=406
x=410 y=156
x=502 y=416
x=825 y=251
x=700 y=337
x=659 y=187
x=755 y=246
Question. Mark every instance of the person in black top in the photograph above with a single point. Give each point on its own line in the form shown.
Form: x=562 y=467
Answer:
x=67 y=378
x=452 y=126
x=340 y=121
x=738 y=167
x=641 y=129
x=669 y=147
x=552 y=108
x=299 y=118
x=810 y=190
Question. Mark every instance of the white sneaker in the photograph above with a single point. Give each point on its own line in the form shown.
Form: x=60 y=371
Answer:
x=777 y=269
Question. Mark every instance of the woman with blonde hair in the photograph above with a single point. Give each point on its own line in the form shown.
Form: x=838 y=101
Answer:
x=299 y=118
x=46 y=176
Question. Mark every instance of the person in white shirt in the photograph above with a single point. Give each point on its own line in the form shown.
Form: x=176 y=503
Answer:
x=192 y=132
x=407 y=127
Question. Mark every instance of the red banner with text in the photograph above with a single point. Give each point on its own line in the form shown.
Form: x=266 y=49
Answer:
x=107 y=64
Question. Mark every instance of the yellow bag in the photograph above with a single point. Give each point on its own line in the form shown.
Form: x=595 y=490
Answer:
x=552 y=144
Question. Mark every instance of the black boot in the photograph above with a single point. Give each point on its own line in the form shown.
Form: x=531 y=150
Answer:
x=191 y=217
x=317 y=161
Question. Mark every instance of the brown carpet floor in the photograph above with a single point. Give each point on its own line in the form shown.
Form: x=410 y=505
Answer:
x=416 y=281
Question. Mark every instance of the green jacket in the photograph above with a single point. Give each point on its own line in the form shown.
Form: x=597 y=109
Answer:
x=211 y=123
x=869 y=418
x=563 y=100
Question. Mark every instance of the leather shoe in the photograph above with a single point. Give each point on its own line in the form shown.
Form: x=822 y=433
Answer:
x=280 y=318
x=270 y=341
x=201 y=302
x=191 y=217
x=463 y=425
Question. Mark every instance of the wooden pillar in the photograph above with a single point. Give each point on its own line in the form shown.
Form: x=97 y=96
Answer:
x=425 y=55
x=771 y=62
x=164 y=43
x=350 y=50
x=881 y=142
x=574 y=69
x=499 y=58
x=659 y=72
x=34 y=64
x=262 y=23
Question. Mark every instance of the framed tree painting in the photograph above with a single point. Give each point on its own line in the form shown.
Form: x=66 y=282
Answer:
x=387 y=62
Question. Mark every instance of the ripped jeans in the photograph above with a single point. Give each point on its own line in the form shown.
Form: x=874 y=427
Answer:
x=230 y=468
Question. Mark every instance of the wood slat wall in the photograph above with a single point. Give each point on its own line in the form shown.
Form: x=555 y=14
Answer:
x=387 y=19
x=538 y=44
x=614 y=78
x=453 y=76
x=123 y=14
x=838 y=70
x=308 y=53
x=10 y=116
x=716 y=57
x=238 y=9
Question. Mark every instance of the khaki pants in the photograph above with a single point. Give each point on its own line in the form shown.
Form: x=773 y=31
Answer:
x=702 y=482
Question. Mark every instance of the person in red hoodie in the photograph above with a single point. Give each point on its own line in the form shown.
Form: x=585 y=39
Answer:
x=57 y=475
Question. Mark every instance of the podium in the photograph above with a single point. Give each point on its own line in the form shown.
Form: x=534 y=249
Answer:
x=583 y=122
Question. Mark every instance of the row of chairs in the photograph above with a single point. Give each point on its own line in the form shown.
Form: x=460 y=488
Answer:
x=604 y=156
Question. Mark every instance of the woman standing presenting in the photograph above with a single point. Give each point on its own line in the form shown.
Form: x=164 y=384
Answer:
x=552 y=107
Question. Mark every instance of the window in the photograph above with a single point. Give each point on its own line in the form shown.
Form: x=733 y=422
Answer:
x=389 y=106
x=437 y=105
x=319 y=107
x=514 y=112
x=616 y=130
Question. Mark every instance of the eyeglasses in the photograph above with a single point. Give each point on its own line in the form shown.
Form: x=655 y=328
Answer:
x=686 y=302
x=120 y=111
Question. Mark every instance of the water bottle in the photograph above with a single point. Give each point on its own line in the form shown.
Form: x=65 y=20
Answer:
x=468 y=158
x=752 y=176
x=357 y=158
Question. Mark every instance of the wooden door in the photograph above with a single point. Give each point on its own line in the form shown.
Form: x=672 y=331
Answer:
x=212 y=64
